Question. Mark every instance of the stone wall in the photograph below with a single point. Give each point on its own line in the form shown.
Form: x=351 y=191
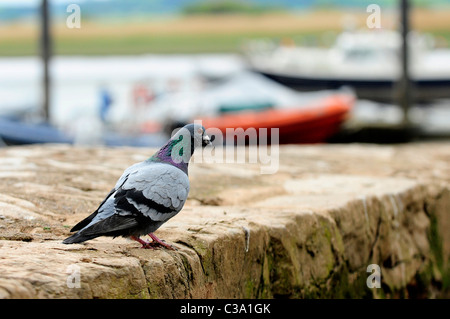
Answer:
x=310 y=230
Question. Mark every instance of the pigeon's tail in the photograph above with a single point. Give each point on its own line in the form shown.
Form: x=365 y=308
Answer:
x=78 y=238
x=115 y=225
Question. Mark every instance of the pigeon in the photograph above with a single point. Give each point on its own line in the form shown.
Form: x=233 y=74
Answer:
x=147 y=195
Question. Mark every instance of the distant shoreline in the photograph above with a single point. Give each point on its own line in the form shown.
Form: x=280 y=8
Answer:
x=201 y=33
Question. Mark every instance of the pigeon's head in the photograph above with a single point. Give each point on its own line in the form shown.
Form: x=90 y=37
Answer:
x=179 y=149
x=183 y=143
x=196 y=133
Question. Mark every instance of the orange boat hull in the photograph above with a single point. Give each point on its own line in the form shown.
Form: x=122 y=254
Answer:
x=313 y=124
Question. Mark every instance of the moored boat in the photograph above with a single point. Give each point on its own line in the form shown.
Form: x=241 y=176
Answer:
x=313 y=123
x=16 y=131
x=367 y=61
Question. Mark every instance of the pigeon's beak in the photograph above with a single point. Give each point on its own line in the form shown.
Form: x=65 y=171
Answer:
x=206 y=140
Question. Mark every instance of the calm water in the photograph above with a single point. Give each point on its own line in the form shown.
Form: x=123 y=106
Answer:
x=78 y=82
x=131 y=81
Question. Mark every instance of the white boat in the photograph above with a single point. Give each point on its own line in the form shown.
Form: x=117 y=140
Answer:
x=368 y=61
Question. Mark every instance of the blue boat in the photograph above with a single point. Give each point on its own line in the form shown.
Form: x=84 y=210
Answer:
x=15 y=131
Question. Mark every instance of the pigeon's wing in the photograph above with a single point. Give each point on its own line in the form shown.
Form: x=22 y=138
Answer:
x=88 y=219
x=101 y=208
x=110 y=225
x=114 y=225
x=157 y=191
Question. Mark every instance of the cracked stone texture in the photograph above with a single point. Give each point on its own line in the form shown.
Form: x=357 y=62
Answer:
x=310 y=230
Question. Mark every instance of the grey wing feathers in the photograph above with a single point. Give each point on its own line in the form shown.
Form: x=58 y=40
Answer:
x=155 y=190
x=145 y=196
x=111 y=225
x=158 y=191
x=130 y=170
x=89 y=219
x=104 y=210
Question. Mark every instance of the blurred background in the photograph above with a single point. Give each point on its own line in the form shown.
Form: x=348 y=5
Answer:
x=127 y=72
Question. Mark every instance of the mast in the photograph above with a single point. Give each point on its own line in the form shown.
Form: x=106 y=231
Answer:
x=404 y=92
x=45 y=47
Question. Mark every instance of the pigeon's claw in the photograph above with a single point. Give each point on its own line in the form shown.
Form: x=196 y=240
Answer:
x=167 y=246
x=148 y=246
x=145 y=244
x=159 y=242
x=155 y=244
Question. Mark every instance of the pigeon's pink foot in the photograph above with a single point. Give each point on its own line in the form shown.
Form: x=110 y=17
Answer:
x=159 y=242
x=145 y=245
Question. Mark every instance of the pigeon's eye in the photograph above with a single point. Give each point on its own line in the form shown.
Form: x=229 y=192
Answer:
x=200 y=131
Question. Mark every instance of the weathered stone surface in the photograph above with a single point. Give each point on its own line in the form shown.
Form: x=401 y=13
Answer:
x=310 y=230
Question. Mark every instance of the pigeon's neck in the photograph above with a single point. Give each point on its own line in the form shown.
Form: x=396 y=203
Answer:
x=173 y=153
